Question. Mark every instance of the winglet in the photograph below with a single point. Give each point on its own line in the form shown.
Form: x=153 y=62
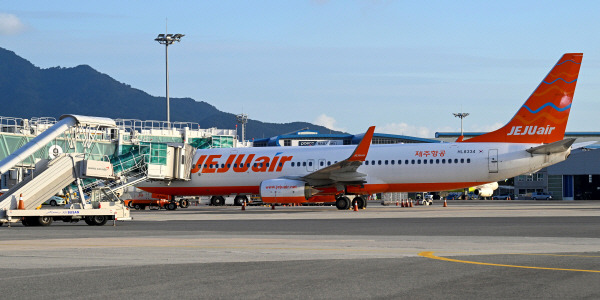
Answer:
x=360 y=153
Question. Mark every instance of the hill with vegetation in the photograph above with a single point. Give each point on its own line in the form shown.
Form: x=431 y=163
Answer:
x=29 y=91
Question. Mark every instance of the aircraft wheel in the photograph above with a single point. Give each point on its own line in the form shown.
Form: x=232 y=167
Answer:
x=137 y=207
x=360 y=202
x=171 y=206
x=239 y=200
x=219 y=200
x=342 y=203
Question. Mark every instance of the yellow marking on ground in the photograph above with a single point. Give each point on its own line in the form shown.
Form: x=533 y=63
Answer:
x=429 y=254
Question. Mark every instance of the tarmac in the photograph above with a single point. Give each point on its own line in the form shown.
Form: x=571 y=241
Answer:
x=470 y=249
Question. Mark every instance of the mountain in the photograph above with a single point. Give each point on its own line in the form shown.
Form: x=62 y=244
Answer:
x=29 y=91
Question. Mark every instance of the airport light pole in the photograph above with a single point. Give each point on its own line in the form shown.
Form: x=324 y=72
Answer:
x=243 y=119
x=461 y=116
x=168 y=39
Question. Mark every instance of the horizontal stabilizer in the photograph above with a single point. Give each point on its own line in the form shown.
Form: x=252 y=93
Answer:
x=556 y=147
x=582 y=145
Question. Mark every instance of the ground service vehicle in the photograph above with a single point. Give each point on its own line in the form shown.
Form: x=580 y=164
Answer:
x=544 y=196
x=56 y=201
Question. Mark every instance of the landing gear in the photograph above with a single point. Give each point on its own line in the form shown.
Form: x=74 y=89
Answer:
x=360 y=202
x=342 y=203
x=171 y=206
x=217 y=201
x=239 y=200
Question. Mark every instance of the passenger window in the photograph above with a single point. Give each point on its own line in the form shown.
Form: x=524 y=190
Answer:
x=431 y=161
x=456 y=160
x=424 y=161
x=304 y=163
x=366 y=162
x=443 y=161
x=393 y=161
x=379 y=162
x=292 y=164
x=228 y=165
x=247 y=165
x=468 y=160
x=281 y=164
x=322 y=163
x=310 y=163
x=406 y=162
x=399 y=161
x=450 y=161
x=373 y=162
x=205 y=165
x=412 y=162
x=437 y=161
x=222 y=166
x=386 y=162
x=329 y=163
x=462 y=160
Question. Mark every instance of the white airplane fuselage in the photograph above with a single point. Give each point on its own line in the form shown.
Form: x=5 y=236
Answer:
x=388 y=168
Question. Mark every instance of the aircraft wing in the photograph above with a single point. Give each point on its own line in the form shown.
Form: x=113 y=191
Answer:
x=343 y=172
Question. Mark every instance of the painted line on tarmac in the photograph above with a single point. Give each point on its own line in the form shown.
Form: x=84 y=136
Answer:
x=429 y=254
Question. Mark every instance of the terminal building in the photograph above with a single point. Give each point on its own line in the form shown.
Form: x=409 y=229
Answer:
x=313 y=138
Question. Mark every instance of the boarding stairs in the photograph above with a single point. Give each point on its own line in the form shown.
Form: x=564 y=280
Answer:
x=49 y=178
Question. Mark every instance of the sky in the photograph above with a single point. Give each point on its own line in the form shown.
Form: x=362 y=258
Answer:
x=403 y=66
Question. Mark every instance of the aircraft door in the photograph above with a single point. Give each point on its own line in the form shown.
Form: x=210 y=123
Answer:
x=493 y=160
x=310 y=165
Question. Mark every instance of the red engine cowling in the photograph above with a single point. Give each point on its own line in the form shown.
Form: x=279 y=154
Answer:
x=284 y=191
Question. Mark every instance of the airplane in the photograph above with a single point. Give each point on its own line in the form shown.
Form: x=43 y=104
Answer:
x=530 y=141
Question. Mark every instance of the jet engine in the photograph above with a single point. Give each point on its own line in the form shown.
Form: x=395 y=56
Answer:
x=285 y=191
x=485 y=190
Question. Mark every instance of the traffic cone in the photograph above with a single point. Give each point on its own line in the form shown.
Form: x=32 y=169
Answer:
x=411 y=204
x=355 y=206
x=402 y=203
x=21 y=203
x=244 y=205
x=445 y=204
x=397 y=203
x=272 y=206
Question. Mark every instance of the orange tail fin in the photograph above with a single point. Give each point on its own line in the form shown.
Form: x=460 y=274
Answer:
x=543 y=117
